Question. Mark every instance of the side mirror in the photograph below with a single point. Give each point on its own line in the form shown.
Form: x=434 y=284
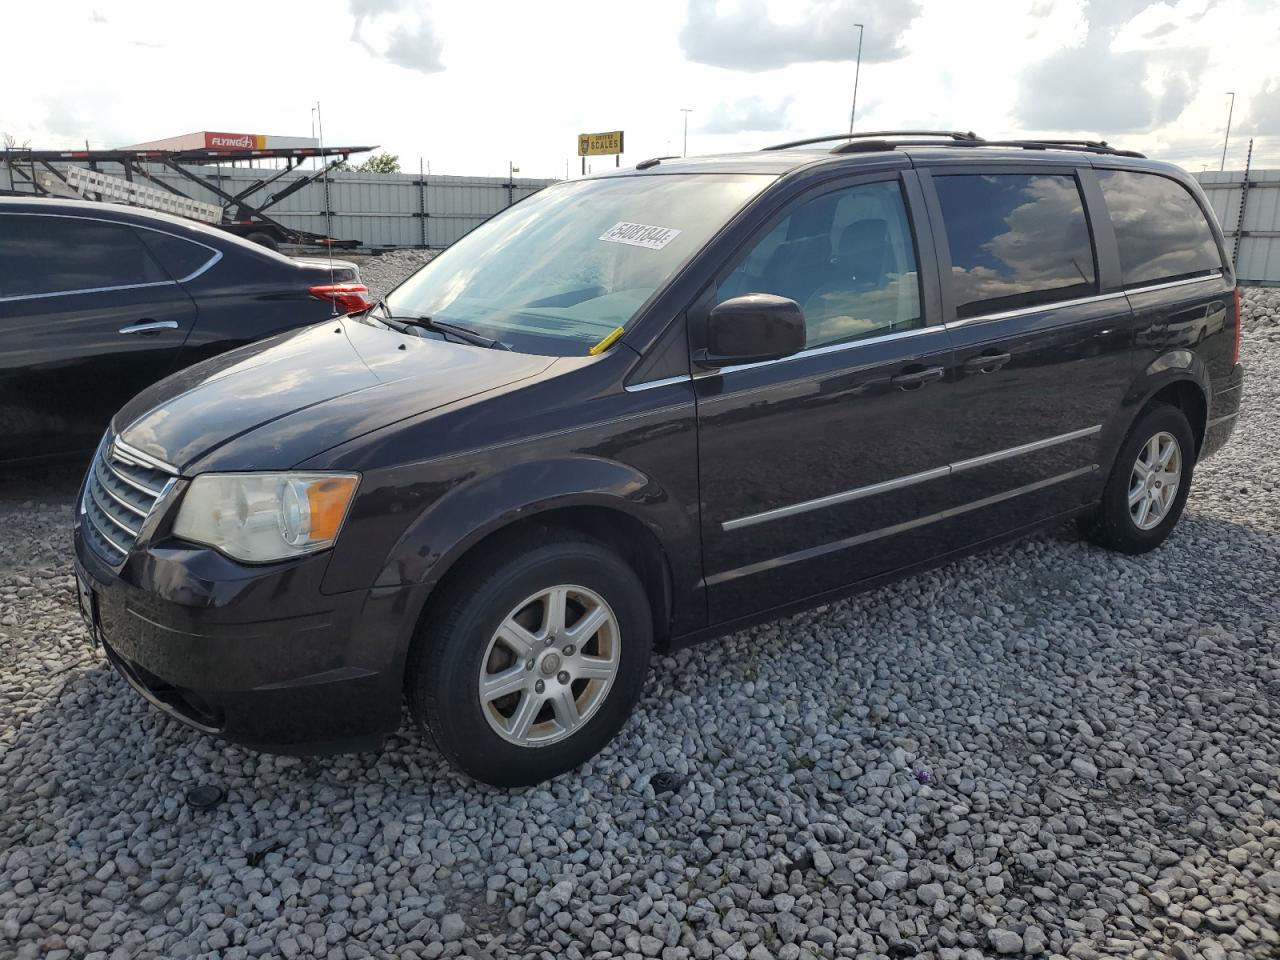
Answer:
x=750 y=329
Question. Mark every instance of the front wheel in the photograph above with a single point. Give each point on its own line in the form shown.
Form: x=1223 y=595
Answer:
x=1148 y=485
x=532 y=660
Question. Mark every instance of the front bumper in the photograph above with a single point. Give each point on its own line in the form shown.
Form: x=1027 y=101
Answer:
x=258 y=655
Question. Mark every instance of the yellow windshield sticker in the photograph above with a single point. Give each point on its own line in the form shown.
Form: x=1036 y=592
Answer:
x=607 y=342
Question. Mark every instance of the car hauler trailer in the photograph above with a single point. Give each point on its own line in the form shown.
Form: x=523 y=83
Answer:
x=50 y=173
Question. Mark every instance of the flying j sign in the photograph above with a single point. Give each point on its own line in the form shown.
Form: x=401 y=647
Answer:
x=599 y=144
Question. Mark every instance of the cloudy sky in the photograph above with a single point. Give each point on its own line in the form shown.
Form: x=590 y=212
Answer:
x=470 y=84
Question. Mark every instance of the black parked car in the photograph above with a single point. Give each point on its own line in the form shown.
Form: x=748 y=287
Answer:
x=98 y=301
x=644 y=408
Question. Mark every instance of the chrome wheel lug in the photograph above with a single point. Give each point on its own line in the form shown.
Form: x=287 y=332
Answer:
x=539 y=687
x=530 y=665
x=568 y=651
x=563 y=676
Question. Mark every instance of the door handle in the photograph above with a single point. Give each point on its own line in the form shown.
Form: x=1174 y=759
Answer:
x=985 y=362
x=150 y=326
x=915 y=379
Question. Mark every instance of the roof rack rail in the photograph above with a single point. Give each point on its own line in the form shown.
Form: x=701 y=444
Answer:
x=1084 y=146
x=950 y=134
x=878 y=140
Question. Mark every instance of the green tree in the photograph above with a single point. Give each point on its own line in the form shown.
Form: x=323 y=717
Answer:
x=380 y=163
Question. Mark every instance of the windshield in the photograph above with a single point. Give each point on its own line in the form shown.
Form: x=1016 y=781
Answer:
x=557 y=273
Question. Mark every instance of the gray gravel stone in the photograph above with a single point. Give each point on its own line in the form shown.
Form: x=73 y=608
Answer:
x=1004 y=941
x=452 y=927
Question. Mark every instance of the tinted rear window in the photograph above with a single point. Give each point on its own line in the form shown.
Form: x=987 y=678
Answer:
x=1160 y=229
x=63 y=254
x=180 y=258
x=1017 y=240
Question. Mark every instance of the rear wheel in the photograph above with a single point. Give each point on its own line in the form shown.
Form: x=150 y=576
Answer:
x=532 y=660
x=1148 y=485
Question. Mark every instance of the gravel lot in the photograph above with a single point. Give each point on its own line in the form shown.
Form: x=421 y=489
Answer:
x=1045 y=750
x=384 y=271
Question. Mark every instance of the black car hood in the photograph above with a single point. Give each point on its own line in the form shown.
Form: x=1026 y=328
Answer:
x=273 y=404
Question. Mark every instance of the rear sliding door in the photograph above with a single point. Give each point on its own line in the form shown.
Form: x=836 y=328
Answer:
x=1042 y=334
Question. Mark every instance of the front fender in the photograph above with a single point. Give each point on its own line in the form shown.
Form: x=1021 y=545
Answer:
x=477 y=507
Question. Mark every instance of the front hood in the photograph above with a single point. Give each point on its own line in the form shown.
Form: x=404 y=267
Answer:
x=273 y=404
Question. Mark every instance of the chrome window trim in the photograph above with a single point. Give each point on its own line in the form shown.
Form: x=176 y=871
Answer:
x=897 y=483
x=1039 y=308
x=82 y=290
x=829 y=348
x=1184 y=282
x=208 y=264
x=653 y=384
x=811 y=553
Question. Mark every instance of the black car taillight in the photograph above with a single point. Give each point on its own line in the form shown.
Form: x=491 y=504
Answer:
x=346 y=297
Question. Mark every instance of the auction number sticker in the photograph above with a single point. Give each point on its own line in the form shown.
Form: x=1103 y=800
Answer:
x=640 y=235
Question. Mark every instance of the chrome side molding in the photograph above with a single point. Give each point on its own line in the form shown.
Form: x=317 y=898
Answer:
x=897 y=483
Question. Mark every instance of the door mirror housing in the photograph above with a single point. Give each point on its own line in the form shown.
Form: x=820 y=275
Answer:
x=750 y=329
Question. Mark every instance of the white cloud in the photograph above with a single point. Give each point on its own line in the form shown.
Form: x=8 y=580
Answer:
x=750 y=36
x=405 y=37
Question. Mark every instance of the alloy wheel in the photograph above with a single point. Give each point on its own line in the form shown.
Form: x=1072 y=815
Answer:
x=1154 y=480
x=549 y=665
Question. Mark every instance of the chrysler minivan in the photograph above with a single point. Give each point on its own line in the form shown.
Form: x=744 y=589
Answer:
x=644 y=408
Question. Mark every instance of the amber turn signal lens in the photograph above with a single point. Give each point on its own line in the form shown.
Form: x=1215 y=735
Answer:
x=328 y=501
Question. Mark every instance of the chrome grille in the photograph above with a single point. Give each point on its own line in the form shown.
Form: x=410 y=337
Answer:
x=122 y=488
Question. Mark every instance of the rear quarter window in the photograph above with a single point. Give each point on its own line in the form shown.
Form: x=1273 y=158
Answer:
x=1016 y=240
x=180 y=258
x=1160 y=229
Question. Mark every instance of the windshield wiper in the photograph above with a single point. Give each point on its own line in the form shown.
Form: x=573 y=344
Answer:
x=441 y=326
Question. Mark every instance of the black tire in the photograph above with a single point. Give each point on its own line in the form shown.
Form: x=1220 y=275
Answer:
x=446 y=661
x=1113 y=525
x=263 y=239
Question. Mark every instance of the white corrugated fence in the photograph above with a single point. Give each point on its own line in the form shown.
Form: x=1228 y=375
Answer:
x=380 y=210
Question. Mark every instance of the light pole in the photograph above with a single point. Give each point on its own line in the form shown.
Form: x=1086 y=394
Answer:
x=684 y=152
x=857 y=70
x=1227 y=138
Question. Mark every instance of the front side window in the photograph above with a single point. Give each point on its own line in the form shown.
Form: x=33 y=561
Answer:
x=846 y=257
x=557 y=273
x=43 y=255
x=1016 y=241
x=1160 y=229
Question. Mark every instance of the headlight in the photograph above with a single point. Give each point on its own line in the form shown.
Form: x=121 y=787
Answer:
x=257 y=517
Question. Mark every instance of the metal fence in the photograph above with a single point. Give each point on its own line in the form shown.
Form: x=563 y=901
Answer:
x=389 y=210
x=1255 y=236
x=380 y=210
